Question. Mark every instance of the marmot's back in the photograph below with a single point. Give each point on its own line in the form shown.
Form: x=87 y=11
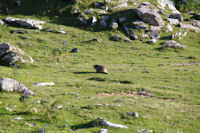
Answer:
x=101 y=69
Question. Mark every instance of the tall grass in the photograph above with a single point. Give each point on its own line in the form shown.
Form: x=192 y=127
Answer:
x=187 y=5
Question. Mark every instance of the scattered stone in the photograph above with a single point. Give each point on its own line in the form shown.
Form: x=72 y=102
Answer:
x=188 y=26
x=8 y=84
x=8 y=109
x=144 y=131
x=139 y=25
x=184 y=34
x=123 y=5
x=34 y=109
x=109 y=124
x=94 y=21
x=195 y=23
x=45 y=84
x=61 y=31
x=169 y=28
x=103 y=131
x=75 y=50
x=89 y=11
x=147 y=14
x=144 y=92
x=136 y=115
x=31 y=124
x=134 y=37
x=83 y=21
x=172 y=44
x=96 y=4
x=102 y=12
x=176 y=16
x=26 y=22
x=152 y=41
x=104 y=8
x=155 y=28
x=126 y=39
x=145 y=36
x=59 y=106
x=10 y=55
x=1 y=22
x=154 y=35
x=196 y=16
x=18 y=118
x=117 y=38
x=129 y=113
x=169 y=3
x=173 y=21
x=122 y=20
x=114 y=25
x=14 y=106
x=103 y=21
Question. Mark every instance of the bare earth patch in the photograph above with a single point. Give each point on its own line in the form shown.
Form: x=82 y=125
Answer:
x=185 y=64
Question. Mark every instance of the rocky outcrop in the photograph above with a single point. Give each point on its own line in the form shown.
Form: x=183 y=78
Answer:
x=8 y=84
x=25 y=22
x=189 y=26
x=173 y=21
x=169 y=4
x=10 y=54
x=149 y=15
x=172 y=44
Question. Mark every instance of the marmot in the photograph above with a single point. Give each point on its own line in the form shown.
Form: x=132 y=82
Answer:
x=101 y=69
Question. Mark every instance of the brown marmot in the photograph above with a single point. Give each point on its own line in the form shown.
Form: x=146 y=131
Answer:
x=101 y=69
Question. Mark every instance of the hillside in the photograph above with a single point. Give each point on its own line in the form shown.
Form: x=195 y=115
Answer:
x=152 y=82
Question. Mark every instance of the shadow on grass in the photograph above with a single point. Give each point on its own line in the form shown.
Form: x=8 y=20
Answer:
x=83 y=72
x=99 y=79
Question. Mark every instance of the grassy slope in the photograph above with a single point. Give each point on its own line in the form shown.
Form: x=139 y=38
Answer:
x=173 y=107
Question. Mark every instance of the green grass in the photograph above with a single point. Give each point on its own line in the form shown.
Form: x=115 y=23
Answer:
x=173 y=107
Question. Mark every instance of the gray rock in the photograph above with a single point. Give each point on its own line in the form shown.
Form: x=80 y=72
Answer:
x=10 y=55
x=103 y=131
x=124 y=4
x=172 y=44
x=117 y=38
x=26 y=22
x=144 y=131
x=139 y=25
x=89 y=11
x=136 y=115
x=147 y=14
x=169 y=3
x=121 y=20
x=154 y=35
x=188 y=26
x=109 y=124
x=75 y=50
x=169 y=28
x=1 y=22
x=83 y=21
x=173 y=21
x=94 y=21
x=196 y=16
x=8 y=84
x=155 y=28
x=114 y=25
x=195 y=23
x=145 y=36
x=134 y=37
x=176 y=16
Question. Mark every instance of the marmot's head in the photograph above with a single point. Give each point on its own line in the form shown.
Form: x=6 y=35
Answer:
x=95 y=66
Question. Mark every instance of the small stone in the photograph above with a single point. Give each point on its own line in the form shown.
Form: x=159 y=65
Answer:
x=94 y=21
x=152 y=41
x=129 y=113
x=169 y=28
x=114 y=25
x=144 y=131
x=126 y=39
x=154 y=35
x=89 y=11
x=18 y=118
x=75 y=50
x=83 y=21
x=173 y=44
x=176 y=16
x=136 y=115
x=8 y=109
x=109 y=124
x=134 y=37
x=173 y=21
x=145 y=36
x=1 y=22
x=116 y=38
x=103 y=131
x=62 y=32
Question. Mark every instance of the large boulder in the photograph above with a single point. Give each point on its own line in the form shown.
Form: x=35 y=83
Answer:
x=149 y=15
x=8 y=84
x=25 y=22
x=10 y=55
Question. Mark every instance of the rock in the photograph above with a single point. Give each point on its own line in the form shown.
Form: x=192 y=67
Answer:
x=102 y=12
x=173 y=21
x=134 y=37
x=103 y=21
x=10 y=55
x=126 y=39
x=96 y=4
x=103 y=131
x=144 y=131
x=114 y=25
x=94 y=40
x=155 y=28
x=76 y=11
x=104 y=8
x=45 y=84
x=195 y=23
x=117 y=38
x=169 y=28
x=139 y=25
x=75 y=50
x=83 y=21
x=94 y=21
x=8 y=84
x=152 y=41
x=129 y=113
x=145 y=36
x=123 y=5
x=184 y=34
x=149 y=15
x=169 y=3
x=196 y=16
x=188 y=26
x=136 y=115
x=176 y=16
x=89 y=11
x=154 y=35
x=26 y=22
x=61 y=31
x=109 y=124
x=121 y=20
x=173 y=44
x=1 y=22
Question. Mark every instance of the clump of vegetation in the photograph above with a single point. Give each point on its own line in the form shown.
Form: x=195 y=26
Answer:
x=187 y=5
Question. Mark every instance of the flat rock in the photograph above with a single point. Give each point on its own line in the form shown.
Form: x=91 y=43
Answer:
x=139 y=25
x=149 y=15
x=195 y=23
x=8 y=84
x=172 y=44
x=173 y=21
x=156 y=28
x=10 y=55
x=176 y=16
x=26 y=22
x=109 y=124
x=169 y=28
x=103 y=131
x=188 y=26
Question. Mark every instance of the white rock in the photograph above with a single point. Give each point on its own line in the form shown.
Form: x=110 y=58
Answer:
x=173 y=44
x=173 y=21
x=103 y=131
x=136 y=115
x=94 y=21
x=169 y=28
x=18 y=118
x=106 y=123
x=189 y=26
x=152 y=41
x=169 y=3
x=45 y=84
x=144 y=131
x=1 y=22
x=8 y=109
x=62 y=32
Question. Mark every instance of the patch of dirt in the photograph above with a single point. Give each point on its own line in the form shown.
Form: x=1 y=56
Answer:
x=185 y=64
x=141 y=92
